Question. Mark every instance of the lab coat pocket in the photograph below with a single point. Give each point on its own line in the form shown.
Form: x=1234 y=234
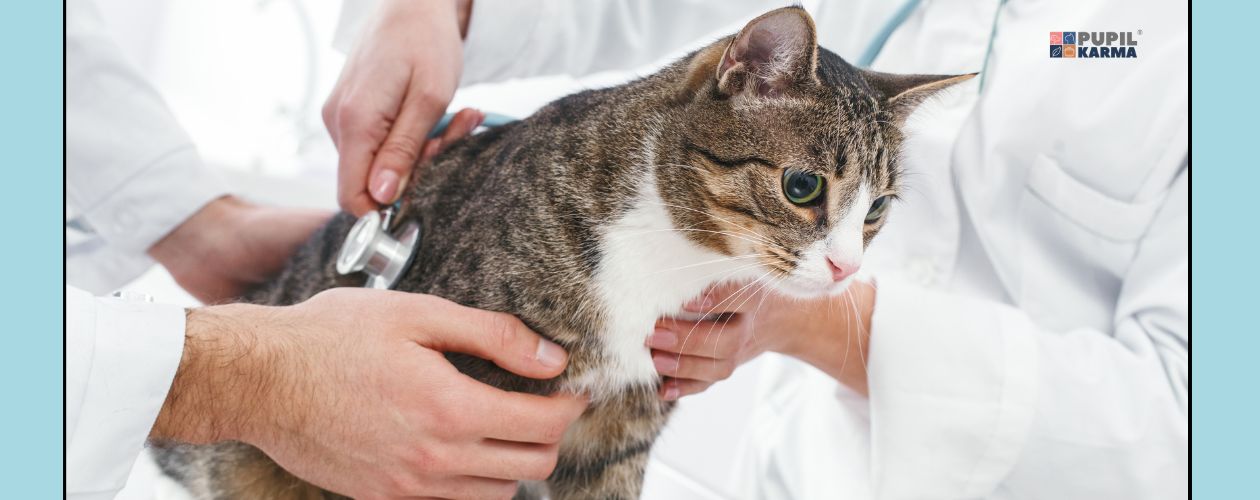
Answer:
x=1076 y=243
x=1093 y=211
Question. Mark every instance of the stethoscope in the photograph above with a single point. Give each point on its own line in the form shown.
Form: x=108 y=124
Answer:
x=384 y=253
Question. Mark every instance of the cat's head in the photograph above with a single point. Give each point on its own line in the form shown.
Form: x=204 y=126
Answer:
x=781 y=154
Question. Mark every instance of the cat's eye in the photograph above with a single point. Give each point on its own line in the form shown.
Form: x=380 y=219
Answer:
x=878 y=207
x=801 y=188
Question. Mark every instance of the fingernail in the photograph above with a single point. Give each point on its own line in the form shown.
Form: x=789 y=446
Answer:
x=385 y=186
x=671 y=391
x=666 y=364
x=662 y=339
x=550 y=354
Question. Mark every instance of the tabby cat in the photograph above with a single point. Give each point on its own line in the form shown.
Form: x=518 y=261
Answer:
x=761 y=157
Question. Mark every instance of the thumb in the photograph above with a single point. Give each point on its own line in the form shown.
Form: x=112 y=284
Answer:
x=397 y=155
x=497 y=337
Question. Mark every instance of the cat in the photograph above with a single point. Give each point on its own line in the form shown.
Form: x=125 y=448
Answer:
x=761 y=157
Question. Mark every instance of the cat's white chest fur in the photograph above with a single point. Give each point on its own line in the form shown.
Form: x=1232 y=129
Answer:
x=648 y=269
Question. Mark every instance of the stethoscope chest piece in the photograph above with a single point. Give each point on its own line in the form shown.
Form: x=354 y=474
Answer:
x=370 y=248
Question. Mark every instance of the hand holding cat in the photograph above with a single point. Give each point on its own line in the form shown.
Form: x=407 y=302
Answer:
x=351 y=391
x=394 y=87
x=692 y=355
x=230 y=245
x=831 y=333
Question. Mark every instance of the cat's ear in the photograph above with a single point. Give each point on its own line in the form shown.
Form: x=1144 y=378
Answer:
x=901 y=94
x=774 y=52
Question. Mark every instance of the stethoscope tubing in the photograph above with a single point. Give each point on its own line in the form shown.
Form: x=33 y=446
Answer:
x=492 y=120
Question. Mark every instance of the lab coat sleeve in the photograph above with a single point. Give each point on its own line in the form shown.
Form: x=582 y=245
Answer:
x=121 y=357
x=133 y=174
x=971 y=399
x=522 y=38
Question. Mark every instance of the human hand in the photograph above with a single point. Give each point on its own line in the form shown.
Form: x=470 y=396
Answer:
x=741 y=322
x=350 y=391
x=694 y=354
x=394 y=87
x=230 y=245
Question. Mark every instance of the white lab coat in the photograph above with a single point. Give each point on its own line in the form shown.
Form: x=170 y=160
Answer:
x=1030 y=337
x=132 y=176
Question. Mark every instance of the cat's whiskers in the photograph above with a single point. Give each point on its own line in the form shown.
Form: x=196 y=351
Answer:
x=718 y=307
x=726 y=322
x=831 y=311
x=649 y=231
x=747 y=236
x=725 y=273
x=856 y=318
x=752 y=319
x=707 y=262
x=718 y=217
x=743 y=233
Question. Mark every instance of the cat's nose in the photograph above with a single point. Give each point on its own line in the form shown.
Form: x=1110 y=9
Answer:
x=843 y=269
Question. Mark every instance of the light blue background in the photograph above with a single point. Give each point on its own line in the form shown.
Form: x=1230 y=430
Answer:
x=31 y=359
x=1224 y=135
x=1225 y=219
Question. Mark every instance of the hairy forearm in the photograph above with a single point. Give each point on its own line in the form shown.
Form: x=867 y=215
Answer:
x=195 y=252
x=189 y=242
x=221 y=379
x=230 y=246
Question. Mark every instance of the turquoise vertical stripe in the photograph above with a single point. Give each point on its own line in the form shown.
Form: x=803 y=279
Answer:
x=31 y=359
x=1225 y=247
x=1226 y=439
x=877 y=44
x=492 y=120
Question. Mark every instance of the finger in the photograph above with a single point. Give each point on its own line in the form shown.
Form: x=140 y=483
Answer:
x=720 y=339
x=397 y=155
x=293 y=226
x=462 y=124
x=692 y=367
x=524 y=418
x=307 y=221
x=431 y=149
x=280 y=232
x=358 y=128
x=674 y=388
x=354 y=157
x=513 y=461
x=329 y=115
x=498 y=337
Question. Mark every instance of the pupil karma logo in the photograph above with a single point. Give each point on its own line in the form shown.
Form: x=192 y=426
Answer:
x=1093 y=44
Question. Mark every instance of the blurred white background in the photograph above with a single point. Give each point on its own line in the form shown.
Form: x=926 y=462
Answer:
x=247 y=79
